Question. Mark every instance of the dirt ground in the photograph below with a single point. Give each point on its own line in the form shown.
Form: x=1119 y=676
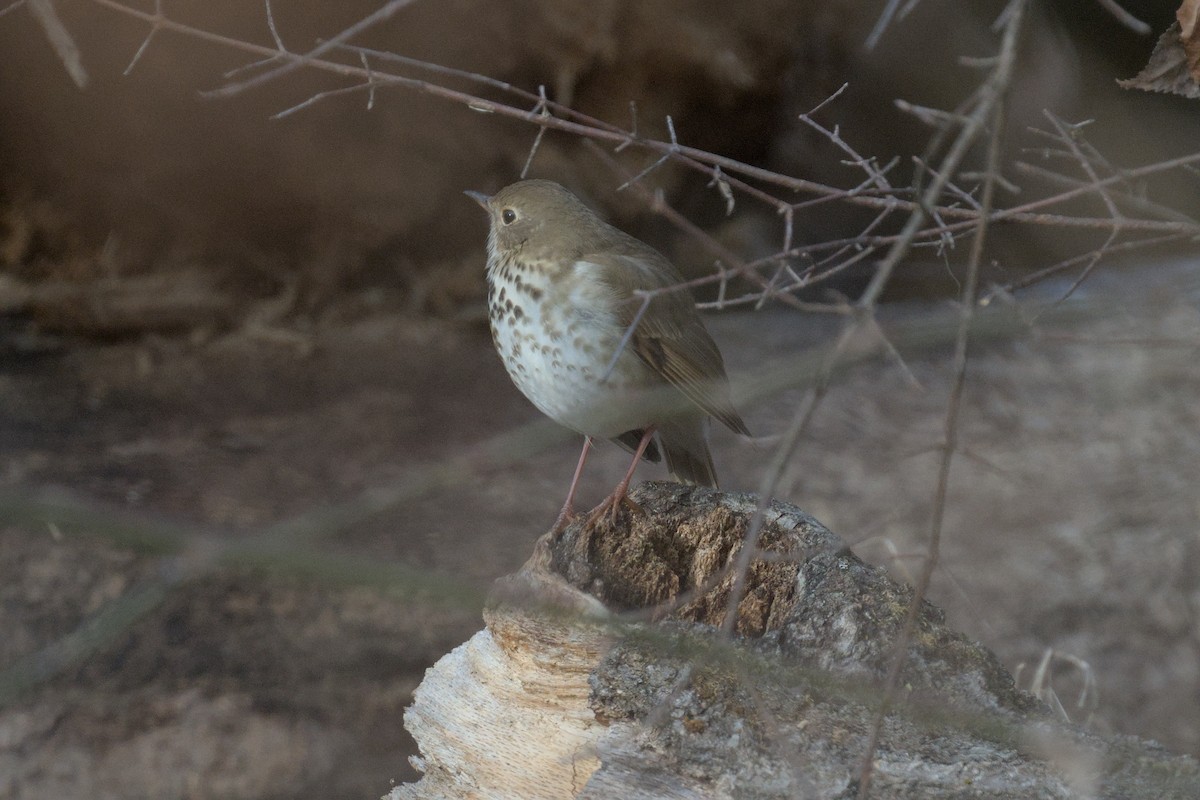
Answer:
x=1072 y=524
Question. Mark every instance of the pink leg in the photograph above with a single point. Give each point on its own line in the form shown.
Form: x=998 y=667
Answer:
x=614 y=500
x=568 y=509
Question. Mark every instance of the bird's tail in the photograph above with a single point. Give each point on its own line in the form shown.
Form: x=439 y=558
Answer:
x=685 y=443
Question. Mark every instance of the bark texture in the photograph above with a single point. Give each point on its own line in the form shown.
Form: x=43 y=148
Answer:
x=601 y=673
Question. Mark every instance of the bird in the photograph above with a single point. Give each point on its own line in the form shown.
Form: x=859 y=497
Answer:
x=599 y=331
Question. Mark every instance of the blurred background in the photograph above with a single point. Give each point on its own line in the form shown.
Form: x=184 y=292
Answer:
x=260 y=463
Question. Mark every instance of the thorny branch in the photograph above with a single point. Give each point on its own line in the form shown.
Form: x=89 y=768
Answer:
x=991 y=111
x=727 y=175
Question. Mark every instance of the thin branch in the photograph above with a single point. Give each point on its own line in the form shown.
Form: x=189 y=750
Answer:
x=874 y=174
x=665 y=157
x=319 y=96
x=885 y=19
x=1066 y=264
x=154 y=29
x=274 y=31
x=541 y=109
x=60 y=39
x=628 y=336
x=995 y=115
x=997 y=82
x=1125 y=18
x=13 y=6
x=370 y=82
x=296 y=61
x=734 y=262
x=569 y=121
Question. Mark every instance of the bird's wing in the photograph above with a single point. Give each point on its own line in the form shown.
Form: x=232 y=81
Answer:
x=669 y=336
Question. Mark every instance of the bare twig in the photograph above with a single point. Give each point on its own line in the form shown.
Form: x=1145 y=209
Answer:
x=13 y=6
x=541 y=109
x=296 y=61
x=1125 y=18
x=60 y=39
x=885 y=19
x=997 y=82
x=993 y=113
x=155 y=26
x=734 y=173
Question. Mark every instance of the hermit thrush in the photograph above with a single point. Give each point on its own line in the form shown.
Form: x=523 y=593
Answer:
x=594 y=329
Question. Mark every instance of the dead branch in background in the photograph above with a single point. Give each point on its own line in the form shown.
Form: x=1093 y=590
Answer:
x=64 y=46
x=990 y=111
x=726 y=174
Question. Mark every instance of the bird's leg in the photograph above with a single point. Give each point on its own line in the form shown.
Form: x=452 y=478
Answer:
x=568 y=509
x=614 y=500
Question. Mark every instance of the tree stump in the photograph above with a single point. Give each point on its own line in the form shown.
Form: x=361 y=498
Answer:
x=602 y=673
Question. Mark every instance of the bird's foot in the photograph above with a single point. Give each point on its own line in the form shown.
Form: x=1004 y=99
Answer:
x=563 y=520
x=611 y=506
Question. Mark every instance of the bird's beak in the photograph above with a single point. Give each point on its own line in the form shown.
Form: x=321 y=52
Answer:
x=478 y=197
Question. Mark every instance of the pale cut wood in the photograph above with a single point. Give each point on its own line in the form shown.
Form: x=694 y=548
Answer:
x=506 y=715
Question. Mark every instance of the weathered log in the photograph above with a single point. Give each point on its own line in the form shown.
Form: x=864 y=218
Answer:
x=601 y=673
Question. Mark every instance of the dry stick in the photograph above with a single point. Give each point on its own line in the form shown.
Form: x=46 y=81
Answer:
x=736 y=264
x=155 y=26
x=745 y=268
x=370 y=81
x=543 y=111
x=605 y=132
x=1125 y=18
x=1021 y=212
x=295 y=60
x=952 y=187
x=13 y=6
x=885 y=19
x=783 y=454
x=929 y=198
x=541 y=101
x=1066 y=264
x=995 y=105
x=1096 y=255
x=60 y=39
x=687 y=155
x=1066 y=134
x=990 y=94
x=868 y=165
x=695 y=160
x=1125 y=196
x=690 y=156
x=590 y=128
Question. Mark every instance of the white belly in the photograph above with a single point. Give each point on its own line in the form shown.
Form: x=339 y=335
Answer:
x=564 y=373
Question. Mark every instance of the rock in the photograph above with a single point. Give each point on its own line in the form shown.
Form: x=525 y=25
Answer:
x=602 y=673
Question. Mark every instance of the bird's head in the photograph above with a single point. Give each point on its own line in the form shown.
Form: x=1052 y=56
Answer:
x=538 y=217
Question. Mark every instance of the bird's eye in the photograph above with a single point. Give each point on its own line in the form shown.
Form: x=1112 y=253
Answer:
x=509 y=216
